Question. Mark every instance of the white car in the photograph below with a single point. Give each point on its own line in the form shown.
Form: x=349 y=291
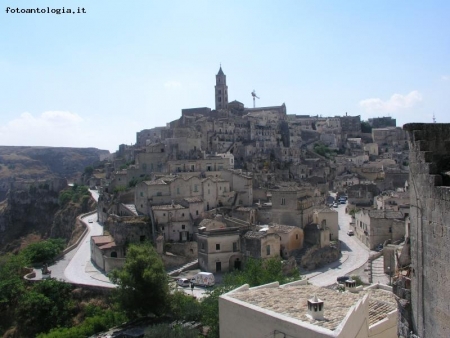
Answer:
x=183 y=282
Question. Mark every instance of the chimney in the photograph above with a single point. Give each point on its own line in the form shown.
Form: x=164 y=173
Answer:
x=350 y=285
x=315 y=308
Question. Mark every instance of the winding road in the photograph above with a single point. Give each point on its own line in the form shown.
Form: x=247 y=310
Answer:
x=354 y=254
x=76 y=266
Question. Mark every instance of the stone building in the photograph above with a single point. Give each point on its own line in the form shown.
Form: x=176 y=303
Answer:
x=174 y=222
x=350 y=124
x=382 y=122
x=218 y=246
x=291 y=238
x=328 y=219
x=373 y=227
x=260 y=245
x=292 y=205
x=424 y=280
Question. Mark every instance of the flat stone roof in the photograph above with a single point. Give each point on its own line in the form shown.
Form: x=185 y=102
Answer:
x=281 y=228
x=195 y=199
x=291 y=301
x=168 y=207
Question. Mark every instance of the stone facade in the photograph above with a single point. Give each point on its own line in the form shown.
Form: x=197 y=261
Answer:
x=429 y=233
x=373 y=227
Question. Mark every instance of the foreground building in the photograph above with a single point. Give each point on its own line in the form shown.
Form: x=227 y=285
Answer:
x=299 y=310
x=423 y=282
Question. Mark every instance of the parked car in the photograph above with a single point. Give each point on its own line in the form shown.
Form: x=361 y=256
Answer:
x=183 y=282
x=335 y=205
x=342 y=279
x=379 y=247
x=350 y=233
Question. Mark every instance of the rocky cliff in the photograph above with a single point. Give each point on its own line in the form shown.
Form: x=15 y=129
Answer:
x=35 y=210
x=32 y=163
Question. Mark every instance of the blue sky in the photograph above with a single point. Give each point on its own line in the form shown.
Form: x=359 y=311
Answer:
x=95 y=79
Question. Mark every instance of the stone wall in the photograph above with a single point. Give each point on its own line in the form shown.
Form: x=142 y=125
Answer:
x=430 y=229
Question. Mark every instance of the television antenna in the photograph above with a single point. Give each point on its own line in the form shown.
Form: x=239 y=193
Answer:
x=254 y=95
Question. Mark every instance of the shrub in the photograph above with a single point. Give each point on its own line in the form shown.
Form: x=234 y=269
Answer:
x=43 y=251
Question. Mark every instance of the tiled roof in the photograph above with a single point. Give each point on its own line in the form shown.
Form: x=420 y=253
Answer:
x=336 y=304
x=99 y=240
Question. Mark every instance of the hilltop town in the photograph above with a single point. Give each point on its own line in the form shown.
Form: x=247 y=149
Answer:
x=224 y=184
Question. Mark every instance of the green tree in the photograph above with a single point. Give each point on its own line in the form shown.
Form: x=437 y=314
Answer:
x=185 y=307
x=12 y=286
x=142 y=282
x=43 y=251
x=88 y=171
x=47 y=299
x=258 y=272
x=101 y=321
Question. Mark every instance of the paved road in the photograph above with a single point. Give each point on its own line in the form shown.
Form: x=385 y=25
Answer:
x=76 y=265
x=354 y=255
x=80 y=269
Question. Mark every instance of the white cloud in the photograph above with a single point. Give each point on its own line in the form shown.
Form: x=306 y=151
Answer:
x=396 y=102
x=51 y=128
x=172 y=84
x=445 y=77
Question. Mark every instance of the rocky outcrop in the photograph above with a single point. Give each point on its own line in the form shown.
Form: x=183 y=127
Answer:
x=36 y=210
x=37 y=163
x=316 y=257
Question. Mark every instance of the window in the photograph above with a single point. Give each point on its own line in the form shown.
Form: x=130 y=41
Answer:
x=142 y=194
x=192 y=167
x=164 y=214
x=296 y=236
x=390 y=229
x=283 y=201
x=268 y=250
x=208 y=192
x=217 y=246
x=203 y=246
x=183 y=227
x=195 y=187
x=182 y=215
x=196 y=212
x=178 y=190
x=235 y=247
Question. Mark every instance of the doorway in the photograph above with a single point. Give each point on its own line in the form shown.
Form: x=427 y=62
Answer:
x=218 y=266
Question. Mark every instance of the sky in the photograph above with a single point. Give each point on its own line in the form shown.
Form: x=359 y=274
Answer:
x=94 y=79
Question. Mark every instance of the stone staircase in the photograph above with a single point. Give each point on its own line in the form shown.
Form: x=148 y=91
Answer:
x=188 y=266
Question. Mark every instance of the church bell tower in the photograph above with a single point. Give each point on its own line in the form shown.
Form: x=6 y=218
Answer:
x=221 y=90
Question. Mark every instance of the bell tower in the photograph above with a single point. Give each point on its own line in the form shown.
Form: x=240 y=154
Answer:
x=221 y=90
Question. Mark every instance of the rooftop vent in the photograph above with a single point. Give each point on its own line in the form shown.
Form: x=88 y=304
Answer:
x=350 y=285
x=315 y=308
